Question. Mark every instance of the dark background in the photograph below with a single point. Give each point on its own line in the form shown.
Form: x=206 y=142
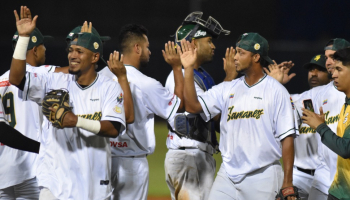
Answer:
x=296 y=30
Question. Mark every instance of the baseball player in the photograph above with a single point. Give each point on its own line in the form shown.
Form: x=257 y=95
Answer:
x=306 y=158
x=257 y=118
x=130 y=171
x=337 y=141
x=74 y=162
x=189 y=165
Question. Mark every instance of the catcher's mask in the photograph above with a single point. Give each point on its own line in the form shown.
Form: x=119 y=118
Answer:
x=195 y=27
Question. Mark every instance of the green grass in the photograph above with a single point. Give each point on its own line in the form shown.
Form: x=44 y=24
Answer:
x=157 y=184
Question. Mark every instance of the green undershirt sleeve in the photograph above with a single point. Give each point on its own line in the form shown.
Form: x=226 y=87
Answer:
x=339 y=145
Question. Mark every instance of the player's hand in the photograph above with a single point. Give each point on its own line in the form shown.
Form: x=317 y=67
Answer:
x=86 y=28
x=313 y=119
x=25 y=24
x=116 y=65
x=287 y=65
x=171 y=55
x=188 y=54
x=275 y=71
x=229 y=64
x=69 y=119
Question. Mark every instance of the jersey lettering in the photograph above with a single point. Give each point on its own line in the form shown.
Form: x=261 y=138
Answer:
x=305 y=130
x=9 y=108
x=244 y=114
x=331 y=119
x=96 y=116
x=118 y=144
x=170 y=136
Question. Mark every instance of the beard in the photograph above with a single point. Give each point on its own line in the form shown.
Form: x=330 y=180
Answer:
x=74 y=72
x=330 y=75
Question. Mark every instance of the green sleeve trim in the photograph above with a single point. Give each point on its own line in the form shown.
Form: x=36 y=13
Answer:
x=177 y=98
x=50 y=69
x=285 y=132
x=206 y=107
x=28 y=87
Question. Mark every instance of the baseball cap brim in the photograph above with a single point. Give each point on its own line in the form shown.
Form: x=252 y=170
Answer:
x=268 y=59
x=309 y=65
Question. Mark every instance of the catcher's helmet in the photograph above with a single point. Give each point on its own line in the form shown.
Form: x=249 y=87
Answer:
x=195 y=27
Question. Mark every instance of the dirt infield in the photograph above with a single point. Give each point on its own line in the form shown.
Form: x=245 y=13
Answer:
x=158 y=198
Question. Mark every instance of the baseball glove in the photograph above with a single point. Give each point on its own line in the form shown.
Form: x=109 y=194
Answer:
x=59 y=100
x=288 y=192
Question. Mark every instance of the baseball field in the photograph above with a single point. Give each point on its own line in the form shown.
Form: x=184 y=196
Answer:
x=158 y=190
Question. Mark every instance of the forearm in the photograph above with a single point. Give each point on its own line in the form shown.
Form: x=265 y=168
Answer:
x=179 y=86
x=100 y=128
x=340 y=146
x=128 y=102
x=288 y=160
x=109 y=129
x=14 y=139
x=18 y=64
x=192 y=104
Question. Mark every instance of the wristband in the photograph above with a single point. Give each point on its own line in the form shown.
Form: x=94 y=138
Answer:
x=89 y=125
x=21 y=48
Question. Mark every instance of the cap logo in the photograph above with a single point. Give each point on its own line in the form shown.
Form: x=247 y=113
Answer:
x=245 y=34
x=257 y=46
x=96 y=45
x=317 y=57
x=71 y=34
x=34 y=39
x=200 y=33
x=15 y=36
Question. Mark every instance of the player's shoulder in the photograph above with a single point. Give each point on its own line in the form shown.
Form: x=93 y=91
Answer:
x=41 y=68
x=106 y=72
x=141 y=80
x=5 y=76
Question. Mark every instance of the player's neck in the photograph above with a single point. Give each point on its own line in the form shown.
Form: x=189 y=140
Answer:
x=86 y=78
x=253 y=75
x=131 y=60
x=31 y=61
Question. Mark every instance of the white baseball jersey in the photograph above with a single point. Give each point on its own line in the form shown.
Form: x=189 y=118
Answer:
x=173 y=140
x=305 y=145
x=16 y=165
x=331 y=100
x=254 y=119
x=74 y=163
x=150 y=98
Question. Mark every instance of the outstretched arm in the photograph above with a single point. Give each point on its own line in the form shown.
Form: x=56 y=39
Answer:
x=117 y=68
x=172 y=57
x=25 y=25
x=188 y=57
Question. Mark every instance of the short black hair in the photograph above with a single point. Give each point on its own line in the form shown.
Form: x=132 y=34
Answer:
x=343 y=55
x=129 y=33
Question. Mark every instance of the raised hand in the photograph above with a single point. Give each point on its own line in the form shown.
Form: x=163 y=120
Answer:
x=229 y=64
x=25 y=24
x=116 y=65
x=275 y=71
x=171 y=55
x=313 y=119
x=86 y=28
x=286 y=68
x=188 y=55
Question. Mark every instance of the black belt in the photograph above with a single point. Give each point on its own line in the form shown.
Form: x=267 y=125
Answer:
x=184 y=148
x=307 y=171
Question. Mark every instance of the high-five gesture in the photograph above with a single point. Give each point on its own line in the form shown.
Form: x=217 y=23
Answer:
x=171 y=56
x=86 y=28
x=116 y=65
x=25 y=24
x=188 y=54
x=275 y=71
x=229 y=64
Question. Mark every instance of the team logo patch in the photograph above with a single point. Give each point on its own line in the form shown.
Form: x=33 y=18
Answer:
x=291 y=102
x=317 y=57
x=120 y=98
x=200 y=33
x=4 y=83
x=15 y=36
x=117 y=109
x=232 y=95
x=96 y=45
x=346 y=118
x=71 y=34
x=257 y=46
x=34 y=39
x=325 y=102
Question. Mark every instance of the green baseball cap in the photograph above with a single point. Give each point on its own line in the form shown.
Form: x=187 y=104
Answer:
x=336 y=44
x=255 y=43
x=36 y=38
x=91 y=42
x=319 y=60
x=184 y=31
x=93 y=31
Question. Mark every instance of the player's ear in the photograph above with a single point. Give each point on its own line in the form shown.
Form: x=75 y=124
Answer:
x=256 y=58
x=194 y=43
x=137 y=48
x=35 y=50
x=95 y=57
